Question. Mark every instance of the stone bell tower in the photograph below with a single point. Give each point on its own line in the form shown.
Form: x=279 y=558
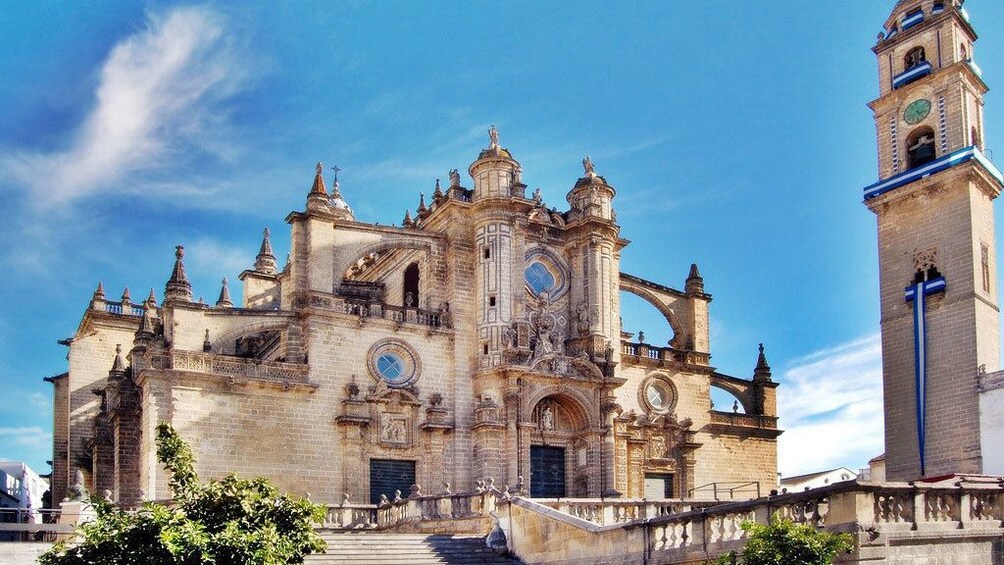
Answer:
x=934 y=207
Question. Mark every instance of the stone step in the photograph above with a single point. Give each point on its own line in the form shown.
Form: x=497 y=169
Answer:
x=373 y=548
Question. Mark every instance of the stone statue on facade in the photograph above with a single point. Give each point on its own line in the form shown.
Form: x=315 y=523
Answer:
x=493 y=136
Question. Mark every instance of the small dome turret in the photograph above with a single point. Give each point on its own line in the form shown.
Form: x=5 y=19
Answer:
x=496 y=173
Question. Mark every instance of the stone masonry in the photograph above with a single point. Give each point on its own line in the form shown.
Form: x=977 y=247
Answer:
x=480 y=339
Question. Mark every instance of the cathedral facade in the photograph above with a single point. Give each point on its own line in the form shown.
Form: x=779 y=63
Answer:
x=479 y=340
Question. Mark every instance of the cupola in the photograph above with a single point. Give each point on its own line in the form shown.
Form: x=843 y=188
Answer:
x=495 y=172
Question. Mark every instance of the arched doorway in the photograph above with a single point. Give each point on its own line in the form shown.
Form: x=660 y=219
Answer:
x=559 y=451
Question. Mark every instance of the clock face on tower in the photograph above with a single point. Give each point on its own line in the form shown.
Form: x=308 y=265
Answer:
x=916 y=111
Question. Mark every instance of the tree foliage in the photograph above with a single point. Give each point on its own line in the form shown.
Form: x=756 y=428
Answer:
x=230 y=521
x=783 y=542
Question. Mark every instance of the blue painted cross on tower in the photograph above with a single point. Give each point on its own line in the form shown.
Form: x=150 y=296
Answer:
x=917 y=293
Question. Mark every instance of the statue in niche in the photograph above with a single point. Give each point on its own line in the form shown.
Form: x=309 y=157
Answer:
x=547 y=418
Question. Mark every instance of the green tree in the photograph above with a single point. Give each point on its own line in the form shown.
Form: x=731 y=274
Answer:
x=231 y=521
x=783 y=542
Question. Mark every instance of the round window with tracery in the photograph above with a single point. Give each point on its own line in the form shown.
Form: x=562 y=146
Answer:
x=393 y=362
x=544 y=274
x=659 y=395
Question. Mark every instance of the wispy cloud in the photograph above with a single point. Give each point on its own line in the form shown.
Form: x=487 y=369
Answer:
x=159 y=102
x=831 y=408
x=28 y=436
x=211 y=257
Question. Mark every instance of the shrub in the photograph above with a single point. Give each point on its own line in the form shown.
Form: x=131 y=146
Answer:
x=229 y=521
x=783 y=542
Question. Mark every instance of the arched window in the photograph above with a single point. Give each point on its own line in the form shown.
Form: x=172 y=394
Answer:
x=410 y=297
x=920 y=147
x=914 y=57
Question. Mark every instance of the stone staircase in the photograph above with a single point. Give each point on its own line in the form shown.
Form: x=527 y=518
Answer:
x=376 y=548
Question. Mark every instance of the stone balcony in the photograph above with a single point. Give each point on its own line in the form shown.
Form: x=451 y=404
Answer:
x=643 y=354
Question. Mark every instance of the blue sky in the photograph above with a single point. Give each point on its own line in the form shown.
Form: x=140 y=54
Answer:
x=736 y=135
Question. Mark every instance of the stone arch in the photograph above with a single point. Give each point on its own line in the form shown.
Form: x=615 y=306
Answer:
x=223 y=343
x=743 y=391
x=343 y=261
x=572 y=401
x=661 y=303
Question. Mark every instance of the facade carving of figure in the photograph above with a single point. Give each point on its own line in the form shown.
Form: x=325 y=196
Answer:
x=547 y=418
x=509 y=337
x=536 y=195
x=454 y=178
x=587 y=164
x=582 y=318
x=392 y=430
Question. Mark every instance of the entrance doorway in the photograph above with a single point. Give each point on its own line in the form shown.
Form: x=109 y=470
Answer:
x=658 y=486
x=547 y=471
x=389 y=475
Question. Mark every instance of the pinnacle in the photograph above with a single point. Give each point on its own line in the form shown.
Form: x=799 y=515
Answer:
x=318 y=187
x=224 y=300
x=762 y=370
x=118 y=366
x=265 y=261
x=178 y=287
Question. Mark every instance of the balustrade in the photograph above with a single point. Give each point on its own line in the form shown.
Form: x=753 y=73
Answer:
x=238 y=367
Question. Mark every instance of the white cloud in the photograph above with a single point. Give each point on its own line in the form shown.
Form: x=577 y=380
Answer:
x=159 y=96
x=830 y=404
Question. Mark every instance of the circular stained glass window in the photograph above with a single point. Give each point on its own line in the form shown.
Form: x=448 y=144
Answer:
x=544 y=273
x=390 y=366
x=659 y=395
x=394 y=362
x=539 y=278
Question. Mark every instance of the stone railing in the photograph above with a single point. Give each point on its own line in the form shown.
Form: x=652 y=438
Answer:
x=375 y=309
x=744 y=420
x=415 y=508
x=658 y=355
x=238 y=367
x=621 y=511
x=884 y=518
x=126 y=309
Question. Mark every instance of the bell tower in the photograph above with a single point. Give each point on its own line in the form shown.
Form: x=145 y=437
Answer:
x=934 y=208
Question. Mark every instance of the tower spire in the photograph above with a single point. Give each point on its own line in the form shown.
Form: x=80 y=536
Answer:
x=178 y=287
x=265 y=261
